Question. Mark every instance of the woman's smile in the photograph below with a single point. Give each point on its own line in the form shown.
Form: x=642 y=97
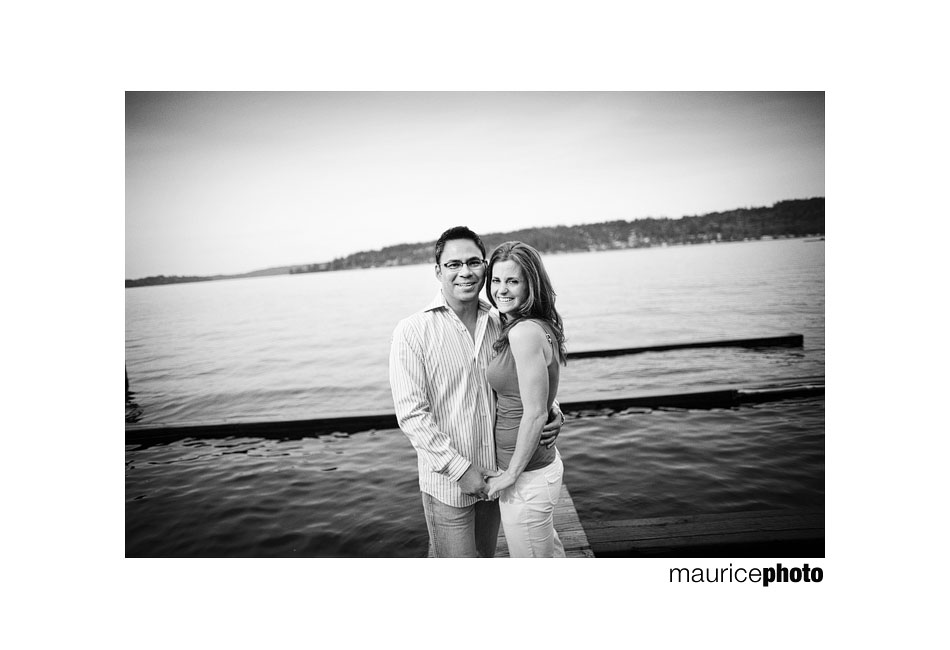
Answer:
x=508 y=287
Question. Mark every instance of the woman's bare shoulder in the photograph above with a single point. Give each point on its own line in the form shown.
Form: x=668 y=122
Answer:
x=527 y=333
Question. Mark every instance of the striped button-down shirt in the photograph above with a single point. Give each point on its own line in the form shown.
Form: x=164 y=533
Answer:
x=443 y=401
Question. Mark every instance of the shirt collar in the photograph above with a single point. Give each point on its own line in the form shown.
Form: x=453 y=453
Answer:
x=439 y=302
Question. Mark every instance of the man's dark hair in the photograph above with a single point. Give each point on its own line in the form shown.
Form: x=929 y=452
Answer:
x=458 y=232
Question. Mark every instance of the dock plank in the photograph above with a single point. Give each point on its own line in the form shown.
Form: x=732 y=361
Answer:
x=644 y=535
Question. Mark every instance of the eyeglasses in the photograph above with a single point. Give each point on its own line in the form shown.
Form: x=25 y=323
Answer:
x=473 y=264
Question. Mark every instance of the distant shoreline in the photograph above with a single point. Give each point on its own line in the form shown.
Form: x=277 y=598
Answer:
x=794 y=219
x=261 y=274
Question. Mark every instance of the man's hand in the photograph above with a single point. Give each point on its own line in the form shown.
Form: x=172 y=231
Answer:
x=473 y=482
x=552 y=429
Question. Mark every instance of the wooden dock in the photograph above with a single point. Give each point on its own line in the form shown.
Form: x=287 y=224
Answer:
x=788 y=341
x=148 y=434
x=763 y=533
x=568 y=527
x=780 y=533
x=792 y=532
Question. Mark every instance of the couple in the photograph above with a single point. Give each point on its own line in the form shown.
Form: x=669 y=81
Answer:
x=446 y=366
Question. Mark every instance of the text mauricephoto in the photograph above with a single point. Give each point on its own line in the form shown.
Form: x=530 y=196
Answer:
x=477 y=324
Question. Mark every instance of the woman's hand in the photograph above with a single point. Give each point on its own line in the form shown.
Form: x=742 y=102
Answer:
x=498 y=483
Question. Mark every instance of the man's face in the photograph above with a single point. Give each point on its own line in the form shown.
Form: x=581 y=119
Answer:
x=462 y=284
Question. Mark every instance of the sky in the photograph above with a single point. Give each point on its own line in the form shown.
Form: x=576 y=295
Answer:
x=232 y=182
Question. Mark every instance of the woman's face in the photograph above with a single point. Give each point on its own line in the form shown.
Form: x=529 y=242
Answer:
x=508 y=286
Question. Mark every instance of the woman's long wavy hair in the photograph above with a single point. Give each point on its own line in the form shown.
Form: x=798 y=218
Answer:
x=540 y=302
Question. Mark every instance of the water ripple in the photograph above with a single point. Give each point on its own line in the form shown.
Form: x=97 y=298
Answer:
x=358 y=496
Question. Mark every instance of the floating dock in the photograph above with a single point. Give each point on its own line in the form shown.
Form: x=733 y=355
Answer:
x=785 y=341
x=297 y=429
x=778 y=533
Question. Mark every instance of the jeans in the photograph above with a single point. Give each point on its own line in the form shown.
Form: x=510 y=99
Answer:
x=527 y=512
x=471 y=531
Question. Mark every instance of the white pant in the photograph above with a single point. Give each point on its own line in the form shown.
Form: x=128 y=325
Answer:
x=527 y=512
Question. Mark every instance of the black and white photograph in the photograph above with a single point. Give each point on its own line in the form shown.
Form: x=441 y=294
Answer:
x=656 y=287
x=475 y=324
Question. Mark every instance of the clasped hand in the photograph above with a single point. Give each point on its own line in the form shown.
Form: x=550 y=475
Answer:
x=474 y=481
x=485 y=484
x=498 y=483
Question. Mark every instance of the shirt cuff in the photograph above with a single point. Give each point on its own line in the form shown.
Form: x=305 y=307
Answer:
x=456 y=468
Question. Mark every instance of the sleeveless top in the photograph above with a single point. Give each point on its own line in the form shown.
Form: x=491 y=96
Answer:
x=503 y=377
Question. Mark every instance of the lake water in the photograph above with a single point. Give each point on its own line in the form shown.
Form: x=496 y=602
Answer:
x=315 y=345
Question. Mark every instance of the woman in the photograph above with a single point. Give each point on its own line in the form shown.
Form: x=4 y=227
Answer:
x=524 y=374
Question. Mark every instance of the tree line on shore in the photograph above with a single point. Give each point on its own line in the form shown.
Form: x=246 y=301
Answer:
x=792 y=218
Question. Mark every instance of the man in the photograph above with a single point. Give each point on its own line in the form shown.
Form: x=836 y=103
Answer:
x=444 y=404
